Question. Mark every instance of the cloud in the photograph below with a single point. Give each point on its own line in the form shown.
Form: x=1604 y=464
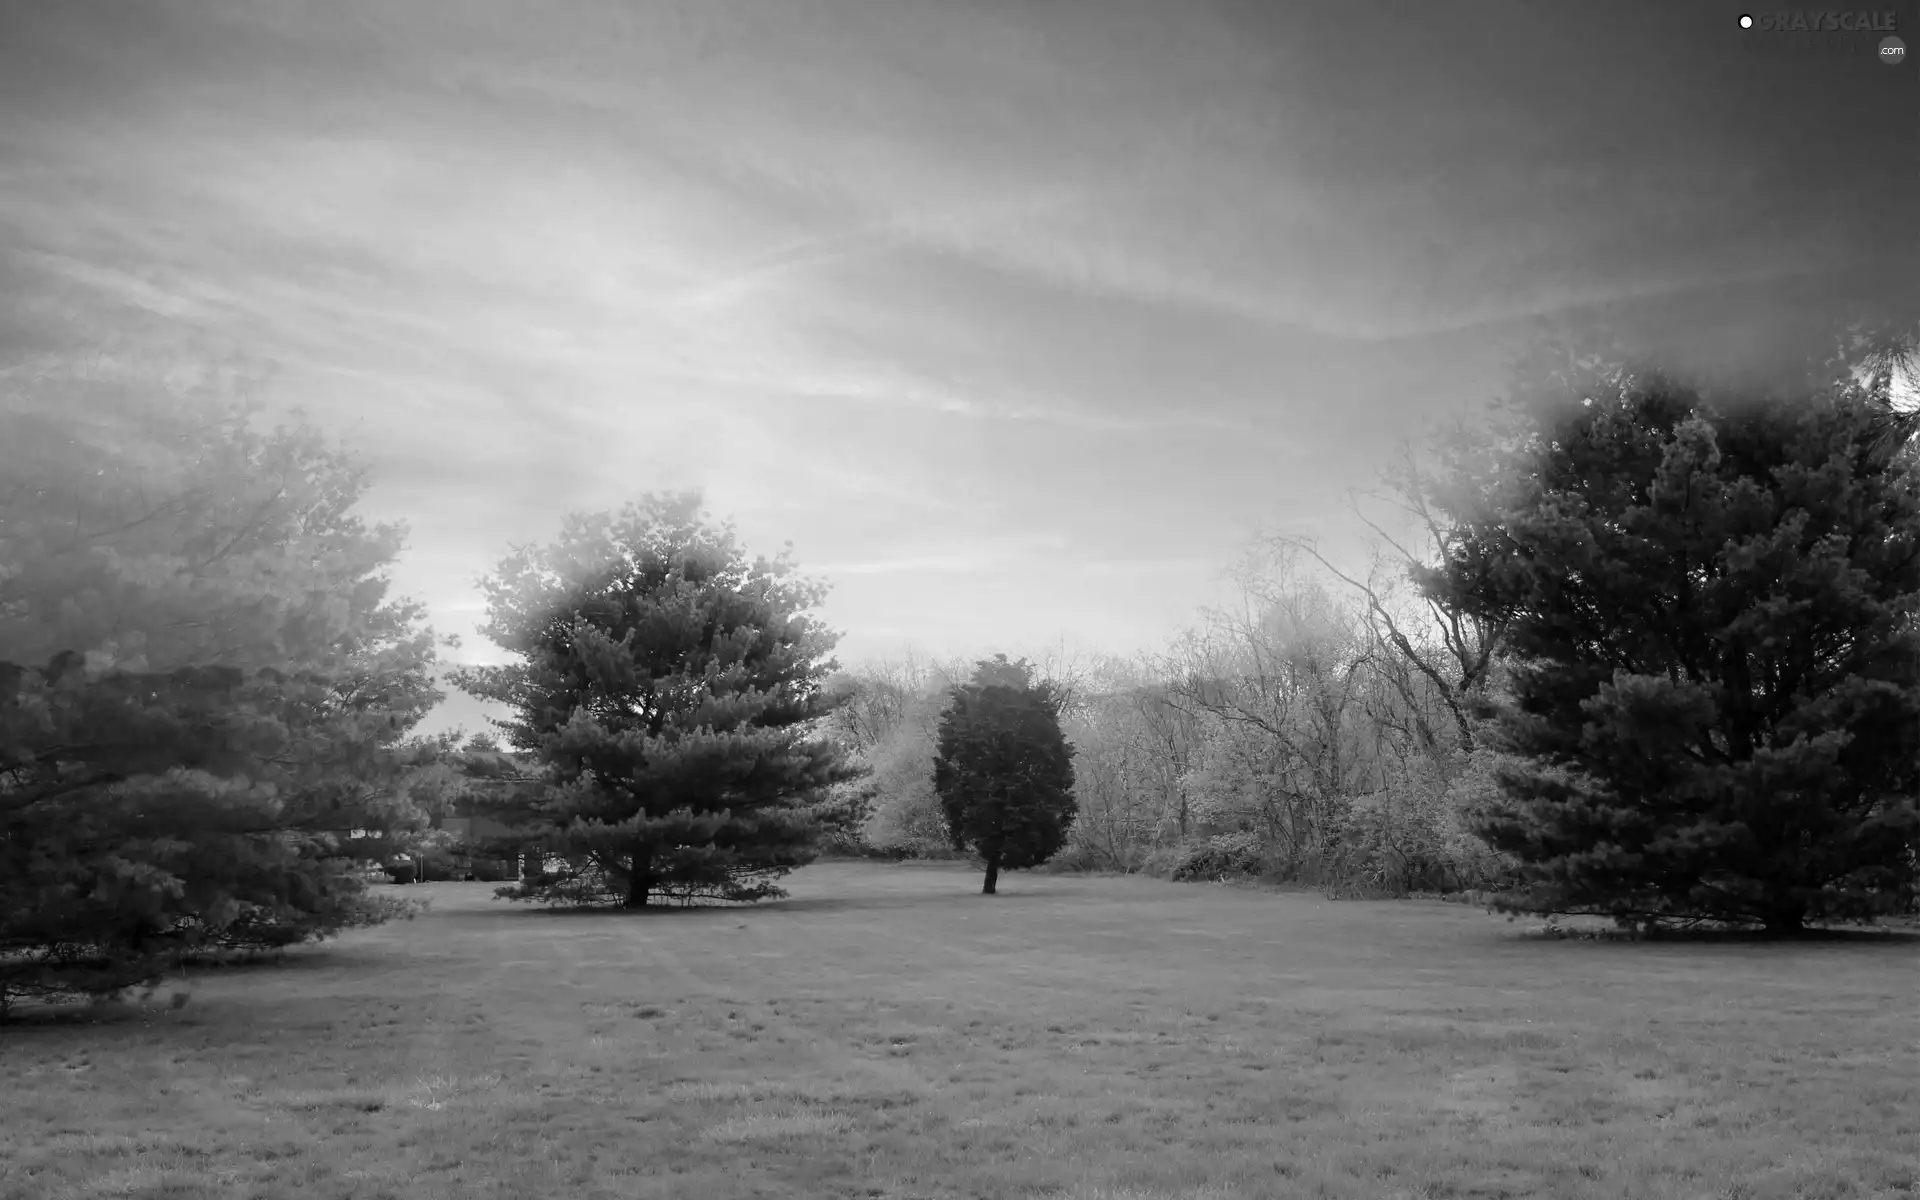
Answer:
x=972 y=225
x=974 y=302
x=928 y=563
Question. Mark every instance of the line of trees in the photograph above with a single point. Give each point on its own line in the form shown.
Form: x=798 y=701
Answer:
x=1655 y=660
x=1290 y=737
x=1657 y=656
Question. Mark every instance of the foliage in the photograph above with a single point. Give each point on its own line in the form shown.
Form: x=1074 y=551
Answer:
x=227 y=691
x=1415 y=835
x=907 y=816
x=1127 y=780
x=1003 y=769
x=886 y=715
x=1222 y=856
x=1298 y=719
x=840 y=818
x=1295 y=696
x=1715 y=691
x=670 y=692
x=881 y=697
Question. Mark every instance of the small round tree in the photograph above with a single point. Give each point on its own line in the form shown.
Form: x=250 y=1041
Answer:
x=1004 y=771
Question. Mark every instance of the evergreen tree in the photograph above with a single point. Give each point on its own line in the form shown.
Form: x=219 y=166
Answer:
x=671 y=691
x=1711 y=602
x=1004 y=770
x=226 y=692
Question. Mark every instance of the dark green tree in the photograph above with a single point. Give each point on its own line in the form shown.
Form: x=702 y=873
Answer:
x=671 y=693
x=1004 y=770
x=205 y=691
x=1711 y=603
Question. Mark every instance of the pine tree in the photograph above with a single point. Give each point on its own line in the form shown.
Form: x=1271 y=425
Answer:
x=1004 y=770
x=1715 y=693
x=671 y=692
x=203 y=687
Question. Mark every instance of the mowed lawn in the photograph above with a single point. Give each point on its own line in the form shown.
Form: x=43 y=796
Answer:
x=887 y=1032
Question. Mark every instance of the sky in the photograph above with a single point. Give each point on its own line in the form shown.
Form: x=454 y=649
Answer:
x=1018 y=318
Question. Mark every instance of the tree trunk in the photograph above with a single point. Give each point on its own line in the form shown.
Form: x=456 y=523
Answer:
x=993 y=875
x=640 y=880
x=1457 y=705
x=1784 y=922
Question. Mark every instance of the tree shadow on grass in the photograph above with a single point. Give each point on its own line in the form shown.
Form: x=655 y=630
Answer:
x=30 y=1018
x=709 y=910
x=75 y=1008
x=877 y=902
x=1881 y=938
x=613 y=912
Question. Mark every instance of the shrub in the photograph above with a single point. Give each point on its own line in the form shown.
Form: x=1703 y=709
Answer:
x=1223 y=856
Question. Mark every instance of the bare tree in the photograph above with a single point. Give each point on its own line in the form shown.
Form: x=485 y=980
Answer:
x=1458 y=668
x=1278 y=681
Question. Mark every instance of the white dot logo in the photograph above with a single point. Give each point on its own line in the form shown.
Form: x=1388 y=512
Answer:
x=1746 y=22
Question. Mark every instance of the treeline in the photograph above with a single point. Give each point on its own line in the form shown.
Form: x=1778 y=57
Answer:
x=1317 y=733
x=1654 y=654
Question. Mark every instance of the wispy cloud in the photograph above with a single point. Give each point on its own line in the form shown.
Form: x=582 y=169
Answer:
x=972 y=226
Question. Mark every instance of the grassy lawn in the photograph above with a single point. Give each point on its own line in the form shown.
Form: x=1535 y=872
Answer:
x=887 y=1032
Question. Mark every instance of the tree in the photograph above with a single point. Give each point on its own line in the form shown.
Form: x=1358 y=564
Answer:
x=907 y=819
x=671 y=692
x=1126 y=778
x=227 y=691
x=876 y=717
x=877 y=698
x=893 y=716
x=1004 y=771
x=1710 y=603
x=1458 y=670
x=1279 y=683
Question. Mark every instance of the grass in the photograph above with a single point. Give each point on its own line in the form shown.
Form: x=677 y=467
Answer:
x=887 y=1032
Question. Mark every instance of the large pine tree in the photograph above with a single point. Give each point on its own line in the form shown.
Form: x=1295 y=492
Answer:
x=672 y=692
x=1711 y=604
x=204 y=689
x=1004 y=769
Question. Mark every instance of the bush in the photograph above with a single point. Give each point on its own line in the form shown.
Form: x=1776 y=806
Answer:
x=1078 y=858
x=1413 y=837
x=1162 y=861
x=490 y=870
x=588 y=883
x=862 y=850
x=459 y=866
x=1223 y=856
